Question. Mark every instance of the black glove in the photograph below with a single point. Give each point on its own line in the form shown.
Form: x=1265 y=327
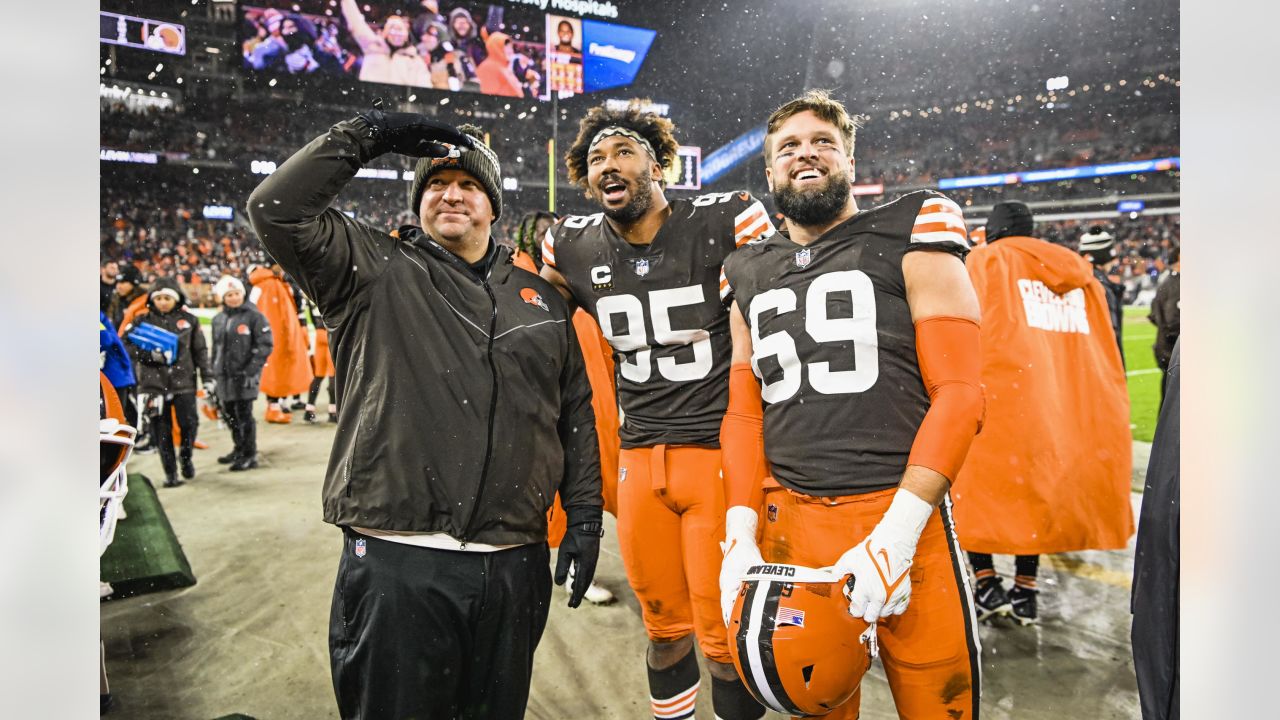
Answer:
x=581 y=546
x=411 y=134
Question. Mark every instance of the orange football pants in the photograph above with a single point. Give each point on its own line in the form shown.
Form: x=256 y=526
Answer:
x=670 y=523
x=931 y=653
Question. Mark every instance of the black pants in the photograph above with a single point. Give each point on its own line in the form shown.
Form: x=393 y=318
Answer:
x=435 y=634
x=314 y=392
x=184 y=406
x=129 y=404
x=244 y=429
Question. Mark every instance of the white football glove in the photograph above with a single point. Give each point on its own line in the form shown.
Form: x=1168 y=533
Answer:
x=881 y=564
x=740 y=554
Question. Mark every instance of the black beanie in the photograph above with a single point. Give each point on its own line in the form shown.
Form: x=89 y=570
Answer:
x=481 y=162
x=1007 y=219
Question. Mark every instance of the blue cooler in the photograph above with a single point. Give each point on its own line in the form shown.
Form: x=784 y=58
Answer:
x=148 y=337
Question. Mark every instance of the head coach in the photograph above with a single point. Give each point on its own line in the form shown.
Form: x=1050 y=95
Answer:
x=464 y=409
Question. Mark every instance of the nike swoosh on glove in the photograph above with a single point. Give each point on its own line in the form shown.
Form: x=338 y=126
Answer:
x=740 y=554
x=581 y=547
x=881 y=563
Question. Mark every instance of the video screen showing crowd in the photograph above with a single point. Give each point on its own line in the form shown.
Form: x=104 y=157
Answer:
x=471 y=47
x=802 y=422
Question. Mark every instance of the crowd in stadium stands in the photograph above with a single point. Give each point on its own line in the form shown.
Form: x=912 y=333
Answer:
x=159 y=228
x=1143 y=246
x=898 y=151
x=903 y=151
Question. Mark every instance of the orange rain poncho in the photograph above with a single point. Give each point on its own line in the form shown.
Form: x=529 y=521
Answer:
x=288 y=370
x=1050 y=470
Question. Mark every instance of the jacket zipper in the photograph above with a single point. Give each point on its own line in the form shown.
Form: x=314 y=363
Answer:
x=493 y=410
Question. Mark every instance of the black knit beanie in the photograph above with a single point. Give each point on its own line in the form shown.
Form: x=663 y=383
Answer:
x=481 y=162
x=1008 y=219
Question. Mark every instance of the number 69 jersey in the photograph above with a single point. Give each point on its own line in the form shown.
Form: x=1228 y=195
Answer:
x=661 y=308
x=834 y=345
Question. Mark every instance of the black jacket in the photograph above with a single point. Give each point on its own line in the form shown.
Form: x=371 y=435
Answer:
x=1115 y=306
x=466 y=401
x=1166 y=314
x=119 y=303
x=180 y=377
x=241 y=343
x=1156 y=580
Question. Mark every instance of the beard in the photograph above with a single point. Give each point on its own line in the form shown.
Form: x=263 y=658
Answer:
x=814 y=207
x=641 y=201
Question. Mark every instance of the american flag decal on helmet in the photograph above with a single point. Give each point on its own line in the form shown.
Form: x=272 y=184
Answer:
x=788 y=616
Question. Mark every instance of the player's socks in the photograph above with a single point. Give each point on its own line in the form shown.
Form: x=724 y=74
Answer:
x=673 y=692
x=1026 y=568
x=732 y=701
x=983 y=565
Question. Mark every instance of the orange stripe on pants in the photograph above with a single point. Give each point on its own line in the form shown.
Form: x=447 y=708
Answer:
x=670 y=523
x=930 y=652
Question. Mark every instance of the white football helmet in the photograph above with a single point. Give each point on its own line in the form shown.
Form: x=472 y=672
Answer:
x=115 y=444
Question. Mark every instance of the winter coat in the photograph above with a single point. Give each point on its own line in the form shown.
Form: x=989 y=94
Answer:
x=135 y=307
x=1156 y=581
x=1050 y=471
x=494 y=73
x=465 y=403
x=115 y=357
x=120 y=303
x=180 y=377
x=1115 y=307
x=380 y=63
x=1166 y=315
x=288 y=371
x=241 y=343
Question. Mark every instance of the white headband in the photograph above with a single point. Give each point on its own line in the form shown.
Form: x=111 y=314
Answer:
x=618 y=130
x=167 y=291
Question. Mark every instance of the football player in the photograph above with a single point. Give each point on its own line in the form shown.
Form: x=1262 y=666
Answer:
x=647 y=269
x=856 y=359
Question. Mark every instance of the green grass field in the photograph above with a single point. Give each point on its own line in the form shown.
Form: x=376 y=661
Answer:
x=1144 y=375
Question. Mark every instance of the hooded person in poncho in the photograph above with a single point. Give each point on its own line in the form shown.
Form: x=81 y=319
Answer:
x=1050 y=471
x=288 y=370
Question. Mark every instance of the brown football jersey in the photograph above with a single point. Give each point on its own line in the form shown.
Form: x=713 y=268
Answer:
x=834 y=347
x=661 y=308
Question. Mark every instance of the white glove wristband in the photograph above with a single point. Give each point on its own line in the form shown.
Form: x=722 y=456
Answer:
x=907 y=514
x=741 y=521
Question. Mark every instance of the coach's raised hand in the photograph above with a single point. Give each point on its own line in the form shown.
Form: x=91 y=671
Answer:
x=412 y=134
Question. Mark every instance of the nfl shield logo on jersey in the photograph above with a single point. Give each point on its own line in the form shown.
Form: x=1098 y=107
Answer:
x=360 y=548
x=642 y=267
x=803 y=257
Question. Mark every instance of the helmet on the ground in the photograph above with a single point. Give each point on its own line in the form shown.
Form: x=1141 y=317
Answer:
x=793 y=641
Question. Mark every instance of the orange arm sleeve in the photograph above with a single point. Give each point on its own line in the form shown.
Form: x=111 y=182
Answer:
x=742 y=440
x=950 y=354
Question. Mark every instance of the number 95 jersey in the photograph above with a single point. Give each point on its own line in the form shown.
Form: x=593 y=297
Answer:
x=834 y=345
x=661 y=308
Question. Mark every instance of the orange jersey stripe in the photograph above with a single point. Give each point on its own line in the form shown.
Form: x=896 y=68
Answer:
x=935 y=227
x=752 y=220
x=932 y=206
